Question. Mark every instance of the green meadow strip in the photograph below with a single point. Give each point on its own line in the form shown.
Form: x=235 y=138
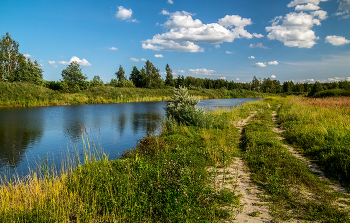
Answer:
x=292 y=189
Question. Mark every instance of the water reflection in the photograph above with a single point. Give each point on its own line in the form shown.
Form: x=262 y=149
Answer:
x=29 y=133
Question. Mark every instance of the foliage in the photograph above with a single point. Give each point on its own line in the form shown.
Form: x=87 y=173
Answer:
x=151 y=76
x=120 y=74
x=96 y=81
x=74 y=78
x=332 y=93
x=317 y=87
x=169 y=77
x=181 y=108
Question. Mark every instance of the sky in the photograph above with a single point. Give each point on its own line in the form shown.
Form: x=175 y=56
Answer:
x=299 y=40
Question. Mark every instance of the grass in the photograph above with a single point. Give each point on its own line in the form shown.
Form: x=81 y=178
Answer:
x=294 y=192
x=30 y=95
x=163 y=179
x=320 y=129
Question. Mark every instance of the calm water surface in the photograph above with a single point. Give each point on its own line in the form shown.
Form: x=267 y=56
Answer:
x=29 y=135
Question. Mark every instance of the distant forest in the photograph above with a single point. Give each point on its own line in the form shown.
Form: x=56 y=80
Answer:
x=14 y=67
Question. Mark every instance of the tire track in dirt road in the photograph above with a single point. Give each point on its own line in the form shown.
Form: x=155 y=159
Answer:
x=251 y=210
x=313 y=167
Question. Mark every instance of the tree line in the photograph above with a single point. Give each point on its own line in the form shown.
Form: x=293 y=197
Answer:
x=14 y=67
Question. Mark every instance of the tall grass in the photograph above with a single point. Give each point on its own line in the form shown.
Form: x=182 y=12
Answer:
x=321 y=129
x=293 y=190
x=163 y=179
x=29 y=95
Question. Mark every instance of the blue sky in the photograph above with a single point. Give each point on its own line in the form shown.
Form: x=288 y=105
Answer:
x=300 y=40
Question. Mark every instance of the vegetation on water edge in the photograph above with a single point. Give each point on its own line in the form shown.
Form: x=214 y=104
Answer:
x=320 y=128
x=29 y=95
x=163 y=179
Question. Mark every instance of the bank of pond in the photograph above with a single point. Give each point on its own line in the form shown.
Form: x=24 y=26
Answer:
x=166 y=177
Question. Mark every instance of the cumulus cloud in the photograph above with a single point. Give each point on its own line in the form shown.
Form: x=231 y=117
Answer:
x=185 y=32
x=259 y=64
x=52 y=62
x=181 y=71
x=344 y=9
x=170 y=1
x=217 y=46
x=143 y=59
x=294 y=30
x=251 y=57
x=299 y=2
x=113 y=48
x=307 y=7
x=258 y=45
x=337 y=40
x=134 y=59
x=158 y=55
x=335 y=79
x=228 y=52
x=273 y=63
x=273 y=76
x=27 y=55
x=202 y=71
x=237 y=79
x=258 y=35
x=348 y=78
x=123 y=13
x=311 y=80
x=223 y=78
x=82 y=62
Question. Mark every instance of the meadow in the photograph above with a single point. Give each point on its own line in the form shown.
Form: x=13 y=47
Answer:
x=169 y=178
x=21 y=94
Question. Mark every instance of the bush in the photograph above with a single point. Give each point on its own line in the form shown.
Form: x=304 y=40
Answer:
x=332 y=93
x=181 y=109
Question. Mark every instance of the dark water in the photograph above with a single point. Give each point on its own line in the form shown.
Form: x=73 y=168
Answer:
x=30 y=135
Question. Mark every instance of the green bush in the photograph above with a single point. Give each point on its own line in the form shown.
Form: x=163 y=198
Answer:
x=332 y=93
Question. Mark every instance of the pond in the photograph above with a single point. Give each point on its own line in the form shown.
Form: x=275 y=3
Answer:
x=30 y=135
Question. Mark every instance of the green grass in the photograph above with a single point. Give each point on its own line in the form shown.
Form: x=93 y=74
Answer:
x=293 y=191
x=29 y=95
x=321 y=129
x=163 y=179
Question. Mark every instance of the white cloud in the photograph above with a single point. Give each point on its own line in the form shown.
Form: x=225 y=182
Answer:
x=185 y=32
x=259 y=64
x=307 y=7
x=52 y=62
x=311 y=80
x=335 y=79
x=298 y=2
x=251 y=57
x=228 y=52
x=337 y=40
x=134 y=20
x=27 y=55
x=348 y=78
x=295 y=28
x=202 y=71
x=217 y=46
x=170 y=1
x=181 y=71
x=134 y=59
x=123 y=13
x=158 y=55
x=273 y=76
x=223 y=78
x=258 y=35
x=113 y=48
x=237 y=79
x=258 y=45
x=143 y=59
x=273 y=63
x=82 y=62
x=344 y=9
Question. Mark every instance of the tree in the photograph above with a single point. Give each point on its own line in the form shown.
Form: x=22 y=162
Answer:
x=317 y=87
x=169 y=81
x=137 y=77
x=96 y=81
x=152 y=77
x=120 y=74
x=27 y=71
x=9 y=56
x=74 y=78
x=255 y=84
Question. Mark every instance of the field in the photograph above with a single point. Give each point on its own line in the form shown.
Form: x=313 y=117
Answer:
x=232 y=169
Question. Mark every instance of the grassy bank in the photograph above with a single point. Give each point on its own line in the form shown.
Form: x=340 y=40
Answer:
x=164 y=179
x=320 y=128
x=294 y=192
x=29 y=95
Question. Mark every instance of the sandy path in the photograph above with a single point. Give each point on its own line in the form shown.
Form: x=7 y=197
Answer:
x=313 y=167
x=236 y=177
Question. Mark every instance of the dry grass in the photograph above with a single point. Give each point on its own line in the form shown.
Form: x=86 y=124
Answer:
x=339 y=102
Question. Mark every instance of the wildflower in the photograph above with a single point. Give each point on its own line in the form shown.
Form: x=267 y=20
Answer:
x=178 y=180
x=171 y=160
x=111 y=169
x=160 y=191
x=264 y=168
x=166 y=160
x=106 y=173
x=176 y=148
x=99 y=171
x=151 y=208
x=189 y=209
x=190 y=161
x=124 y=168
x=267 y=178
x=151 y=184
x=177 y=202
x=143 y=192
x=184 y=192
x=178 y=189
